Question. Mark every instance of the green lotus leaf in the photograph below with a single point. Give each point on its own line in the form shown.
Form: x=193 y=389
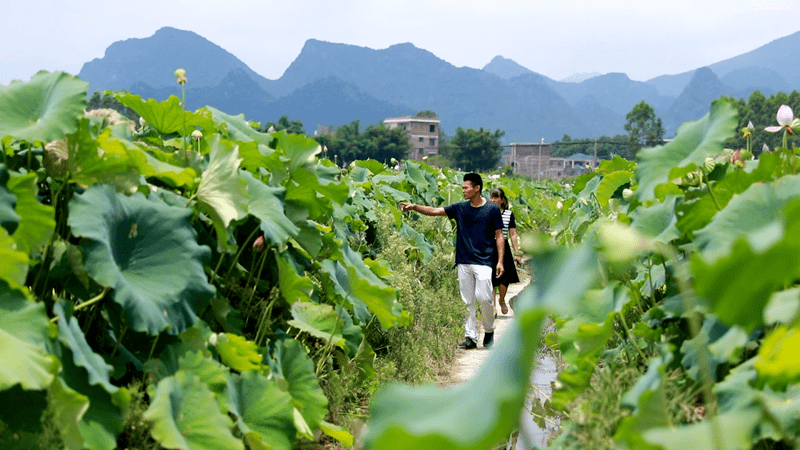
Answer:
x=44 y=109
x=166 y=117
x=102 y=160
x=71 y=335
x=222 y=193
x=783 y=307
x=734 y=296
x=339 y=433
x=736 y=431
x=172 y=175
x=23 y=334
x=9 y=219
x=266 y=204
x=339 y=284
x=37 y=220
x=300 y=150
x=610 y=184
x=318 y=320
x=779 y=356
x=238 y=353
x=754 y=214
x=238 y=129
x=13 y=263
x=184 y=415
x=292 y=364
x=148 y=253
x=658 y=221
x=265 y=412
x=693 y=142
x=68 y=409
x=294 y=285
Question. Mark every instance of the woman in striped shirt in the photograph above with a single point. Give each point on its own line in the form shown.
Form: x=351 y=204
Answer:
x=498 y=197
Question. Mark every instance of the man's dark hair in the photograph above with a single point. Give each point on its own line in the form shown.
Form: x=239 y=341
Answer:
x=475 y=179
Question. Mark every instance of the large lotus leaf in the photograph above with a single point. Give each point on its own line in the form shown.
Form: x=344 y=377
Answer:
x=779 y=356
x=222 y=193
x=657 y=222
x=265 y=412
x=693 y=142
x=367 y=287
x=102 y=160
x=736 y=431
x=238 y=353
x=373 y=166
x=291 y=363
x=743 y=281
x=611 y=184
x=427 y=417
x=9 y=219
x=783 y=307
x=318 y=320
x=315 y=191
x=166 y=117
x=339 y=433
x=300 y=150
x=294 y=285
x=71 y=335
x=38 y=220
x=68 y=409
x=148 y=253
x=13 y=263
x=170 y=174
x=104 y=419
x=23 y=333
x=338 y=283
x=238 y=128
x=266 y=204
x=44 y=109
x=184 y=415
x=754 y=214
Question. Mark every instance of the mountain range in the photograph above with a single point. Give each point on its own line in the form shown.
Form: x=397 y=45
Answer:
x=331 y=84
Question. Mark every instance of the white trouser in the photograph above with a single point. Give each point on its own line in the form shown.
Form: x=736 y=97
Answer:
x=475 y=283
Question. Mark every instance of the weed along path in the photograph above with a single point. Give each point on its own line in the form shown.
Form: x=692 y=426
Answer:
x=469 y=362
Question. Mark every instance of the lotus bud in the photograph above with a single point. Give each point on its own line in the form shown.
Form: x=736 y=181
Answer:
x=393 y=161
x=708 y=164
x=559 y=205
x=180 y=74
x=627 y=194
x=142 y=122
x=197 y=135
x=271 y=129
x=750 y=125
x=765 y=148
x=692 y=179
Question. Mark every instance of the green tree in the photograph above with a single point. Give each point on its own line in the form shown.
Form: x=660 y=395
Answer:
x=98 y=101
x=476 y=150
x=644 y=129
x=291 y=126
x=427 y=113
x=383 y=144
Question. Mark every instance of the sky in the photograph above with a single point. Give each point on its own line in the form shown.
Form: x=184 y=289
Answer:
x=643 y=39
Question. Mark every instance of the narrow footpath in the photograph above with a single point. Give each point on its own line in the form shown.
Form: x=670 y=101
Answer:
x=469 y=362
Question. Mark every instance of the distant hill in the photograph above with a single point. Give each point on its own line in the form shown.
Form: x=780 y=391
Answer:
x=769 y=65
x=153 y=61
x=505 y=68
x=334 y=84
x=578 y=77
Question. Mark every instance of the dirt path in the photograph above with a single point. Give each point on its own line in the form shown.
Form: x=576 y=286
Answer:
x=468 y=362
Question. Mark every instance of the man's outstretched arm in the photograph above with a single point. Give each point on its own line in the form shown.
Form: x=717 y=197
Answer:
x=422 y=209
x=500 y=241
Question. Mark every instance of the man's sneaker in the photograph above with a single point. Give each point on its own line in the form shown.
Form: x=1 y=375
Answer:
x=468 y=344
x=488 y=339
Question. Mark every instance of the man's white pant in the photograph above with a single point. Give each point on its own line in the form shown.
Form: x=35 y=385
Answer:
x=475 y=283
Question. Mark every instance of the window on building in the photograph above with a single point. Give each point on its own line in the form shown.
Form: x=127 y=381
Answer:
x=433 y=128
x=420 y=151
x=433 y=142
x=421 y=139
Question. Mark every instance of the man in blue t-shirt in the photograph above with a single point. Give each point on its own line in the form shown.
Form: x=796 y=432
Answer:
x=479 y=231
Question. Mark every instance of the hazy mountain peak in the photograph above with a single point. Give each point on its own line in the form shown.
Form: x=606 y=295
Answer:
x=505 y=68
x=579 y=77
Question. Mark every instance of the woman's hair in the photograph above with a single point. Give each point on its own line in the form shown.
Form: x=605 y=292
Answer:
x=499 y=193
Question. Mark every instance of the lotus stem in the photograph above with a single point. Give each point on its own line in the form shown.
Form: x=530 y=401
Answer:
x=92 y=301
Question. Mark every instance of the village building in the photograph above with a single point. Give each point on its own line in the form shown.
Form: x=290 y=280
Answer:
x=534 y=160
x=423 y=134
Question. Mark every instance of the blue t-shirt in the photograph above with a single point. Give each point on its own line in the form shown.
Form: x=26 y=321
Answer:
x=475 y=230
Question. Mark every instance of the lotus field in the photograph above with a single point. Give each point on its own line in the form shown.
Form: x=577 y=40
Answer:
x=128 y=277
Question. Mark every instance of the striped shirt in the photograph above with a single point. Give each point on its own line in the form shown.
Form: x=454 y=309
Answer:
x=508 y=222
